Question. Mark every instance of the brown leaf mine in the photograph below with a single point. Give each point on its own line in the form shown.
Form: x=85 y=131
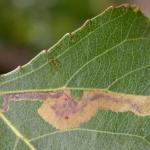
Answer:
x=65 y=112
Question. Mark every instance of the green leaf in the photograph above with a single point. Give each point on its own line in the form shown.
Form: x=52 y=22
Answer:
x=109 y=52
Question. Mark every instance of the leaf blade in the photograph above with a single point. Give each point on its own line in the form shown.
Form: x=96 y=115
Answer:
x=121 y=38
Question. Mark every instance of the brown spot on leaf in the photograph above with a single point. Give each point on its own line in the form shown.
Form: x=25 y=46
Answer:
x=65 y=112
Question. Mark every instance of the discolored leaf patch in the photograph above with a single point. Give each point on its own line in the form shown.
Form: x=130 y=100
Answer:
x=66 y=112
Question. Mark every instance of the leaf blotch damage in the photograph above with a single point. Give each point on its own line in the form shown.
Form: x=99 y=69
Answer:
x=65 y=112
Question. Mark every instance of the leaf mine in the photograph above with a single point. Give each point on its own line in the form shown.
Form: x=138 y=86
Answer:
x=28 y=96
x=66 y=112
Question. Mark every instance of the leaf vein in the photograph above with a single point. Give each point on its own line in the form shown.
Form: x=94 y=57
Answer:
x=90 y=130
x=16 y=132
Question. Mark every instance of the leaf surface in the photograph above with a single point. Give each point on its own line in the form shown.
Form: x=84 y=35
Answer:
x=109 y=52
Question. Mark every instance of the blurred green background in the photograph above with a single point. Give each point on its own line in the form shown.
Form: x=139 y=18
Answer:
x=28 y=26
